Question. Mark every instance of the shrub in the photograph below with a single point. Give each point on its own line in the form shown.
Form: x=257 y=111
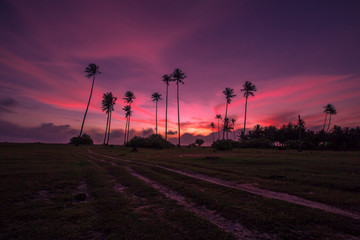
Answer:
x=152 y=141
x=222 y=145
x=199 y=142
x=255 y=143
x=84 y=139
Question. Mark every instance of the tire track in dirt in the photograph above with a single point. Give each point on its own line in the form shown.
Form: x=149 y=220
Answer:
x=253 y=190
x=236 y=229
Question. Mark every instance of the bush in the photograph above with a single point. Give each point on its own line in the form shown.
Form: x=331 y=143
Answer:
x=152 y=141
x=84 y=139
x=199 y=142
x=222 y=145
x=255 y=143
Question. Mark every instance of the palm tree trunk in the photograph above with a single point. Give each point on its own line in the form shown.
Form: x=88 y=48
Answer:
x=108 y=137
x=178 y=111
x=329 y=123
x=156 y=119
x=106 y=129
x=167 y=86
x=127 y=140
x=325 y=122
x=225 y=119
x=219 y=127
x=87 y=107
x=125 y=131
x=245 y=113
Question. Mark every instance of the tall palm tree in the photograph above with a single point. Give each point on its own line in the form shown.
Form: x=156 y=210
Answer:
x=330 y=109
x=105 y=106
x=229 y=94
x=233 y=124
x=112 y=102
x=248 y=89
x=212 y=125
x=218 y=116
x=129 y=99
x=92 y=69
x=128 y=112
x=178 y=76
x=166 y=78
x=156 y=97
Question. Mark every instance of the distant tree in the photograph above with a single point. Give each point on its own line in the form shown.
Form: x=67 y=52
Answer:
x=199 y=142
x=167 y=78
x=233 y=125
x=91 y=70
x=301 y=128
x=128 y=112
x=212 y=125
x=227 y=127
x=218 y=116
x=178 y=77
x=108 y=103
x=129 y=99
x=248 y=89
x=329 y=109
x=156 y=97
x=229 y=94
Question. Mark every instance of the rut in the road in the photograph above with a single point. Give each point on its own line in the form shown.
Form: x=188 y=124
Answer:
x=253 y=190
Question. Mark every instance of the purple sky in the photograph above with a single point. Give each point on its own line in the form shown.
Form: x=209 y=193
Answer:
x=301 y=55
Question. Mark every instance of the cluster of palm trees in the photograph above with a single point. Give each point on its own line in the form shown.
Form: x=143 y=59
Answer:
x=248 y=89
x=329 y=109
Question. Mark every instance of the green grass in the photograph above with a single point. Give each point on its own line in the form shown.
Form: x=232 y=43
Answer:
x=39 y=183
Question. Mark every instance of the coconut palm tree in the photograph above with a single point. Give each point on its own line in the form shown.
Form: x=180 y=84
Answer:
x=92 y=70
x=129 y=99
x=166 y=78
x=156 y=97
x=248 y=89
x=106 y=106
x=227 y=127
x=218 y=116
x=112 y=102
x=229 y=94
x=233 y=124
x=330 y=109
x=212 y=125
x=178 y=76
x=128 y=112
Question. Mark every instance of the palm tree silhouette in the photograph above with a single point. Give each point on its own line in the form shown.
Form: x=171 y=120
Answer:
x=129 y=98
x=156 y=97
x=107 y=106
x=233 y=124
x=227 y=127
x=166 y=79
x=248 y=89
x=212 y=125
x=218 y=116
x=92 y=69
x=128 y=112
x=112 y=102
x=329 y=109
x=229 y=94
x=178 y=76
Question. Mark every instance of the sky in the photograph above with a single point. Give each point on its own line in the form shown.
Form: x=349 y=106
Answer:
x=301 y=55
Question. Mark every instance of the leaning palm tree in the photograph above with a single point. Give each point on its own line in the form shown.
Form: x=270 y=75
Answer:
x=156 y=97
x=248 y=89
x=212 y=125
x=330 y=109
x=166 y=79
x=233 y=124
x=92 y=69
x=128 y=112
x=178 y=76
x=129 y=99
x=106 y=106
x=218 y=116
x=112 y=101
x=229 y=94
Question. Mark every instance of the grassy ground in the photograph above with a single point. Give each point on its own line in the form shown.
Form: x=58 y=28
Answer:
x=40 y=184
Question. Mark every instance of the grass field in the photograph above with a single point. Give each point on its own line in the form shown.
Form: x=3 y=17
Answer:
x=157 y=194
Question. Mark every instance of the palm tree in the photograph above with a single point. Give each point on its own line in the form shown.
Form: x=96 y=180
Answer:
x=229 y=94
x=92 y=69
x=106 y=106
x=128 y=112
x=248 y=89
x=178 y=76
x=330 y=109
x=129 y=99
x=212 y=125
x=166 y=79
x=218 y=116
x=112 y=102
x=233 y=124
x=156 y=97
x=227 y=127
